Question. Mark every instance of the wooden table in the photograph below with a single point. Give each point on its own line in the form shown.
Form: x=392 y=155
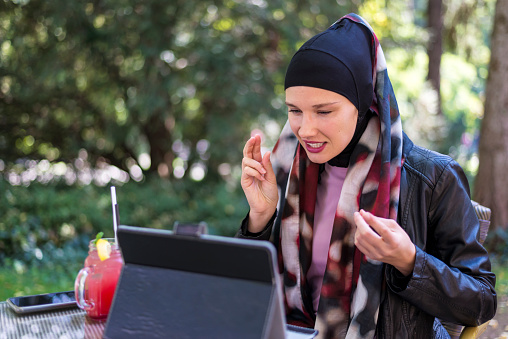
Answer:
x=70 y=323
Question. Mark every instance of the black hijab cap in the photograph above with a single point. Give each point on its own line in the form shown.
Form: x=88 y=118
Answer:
x=339 y=60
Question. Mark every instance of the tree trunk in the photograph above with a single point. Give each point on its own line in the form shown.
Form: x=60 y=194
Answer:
x=435 y=46
x=491 y=186
x=159 y=139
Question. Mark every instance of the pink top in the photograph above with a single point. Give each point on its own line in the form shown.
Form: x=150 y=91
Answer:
x=328 y=194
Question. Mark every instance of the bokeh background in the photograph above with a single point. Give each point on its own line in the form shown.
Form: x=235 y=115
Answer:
x=158 y=98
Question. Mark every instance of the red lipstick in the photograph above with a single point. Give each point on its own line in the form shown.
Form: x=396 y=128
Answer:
x=315 y=147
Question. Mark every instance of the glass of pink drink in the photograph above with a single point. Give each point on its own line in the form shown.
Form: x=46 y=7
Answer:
x=96 y=283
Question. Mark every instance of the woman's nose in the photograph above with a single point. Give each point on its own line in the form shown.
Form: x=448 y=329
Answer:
x=307 y=126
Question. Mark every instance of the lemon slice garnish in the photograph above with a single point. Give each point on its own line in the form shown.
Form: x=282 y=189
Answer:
x=103 y=249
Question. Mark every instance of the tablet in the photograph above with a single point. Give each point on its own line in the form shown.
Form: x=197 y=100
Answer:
x=201 y=286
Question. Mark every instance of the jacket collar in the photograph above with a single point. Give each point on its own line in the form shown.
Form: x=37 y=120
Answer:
x=407 y=145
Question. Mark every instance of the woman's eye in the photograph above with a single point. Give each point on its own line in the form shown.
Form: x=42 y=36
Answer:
x=324 y=112
x=294 y=111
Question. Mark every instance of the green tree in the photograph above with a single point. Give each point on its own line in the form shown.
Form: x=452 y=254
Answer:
x=491 y=181
x=121 y=79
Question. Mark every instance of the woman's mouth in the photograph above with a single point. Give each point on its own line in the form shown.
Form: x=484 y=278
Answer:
x=315 y=147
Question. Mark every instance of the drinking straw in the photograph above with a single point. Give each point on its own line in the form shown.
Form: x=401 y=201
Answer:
x=116 y=213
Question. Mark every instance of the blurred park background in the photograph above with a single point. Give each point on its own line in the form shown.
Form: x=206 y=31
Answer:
x=158 y=98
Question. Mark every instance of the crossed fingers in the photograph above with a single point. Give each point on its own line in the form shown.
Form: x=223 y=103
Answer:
x=252 y=159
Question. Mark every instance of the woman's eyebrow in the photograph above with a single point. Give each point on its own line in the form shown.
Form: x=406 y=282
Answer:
x=314 y=106
x=324 y=104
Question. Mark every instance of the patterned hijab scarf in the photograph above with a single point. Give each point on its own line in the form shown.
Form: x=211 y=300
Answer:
x=352 y=284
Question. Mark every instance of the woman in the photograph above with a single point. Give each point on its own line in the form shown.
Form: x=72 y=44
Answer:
x=376 y=236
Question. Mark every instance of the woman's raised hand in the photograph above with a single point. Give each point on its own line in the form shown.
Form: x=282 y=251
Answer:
x=259 y=184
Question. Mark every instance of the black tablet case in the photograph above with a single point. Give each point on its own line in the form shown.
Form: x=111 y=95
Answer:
x=180 y=286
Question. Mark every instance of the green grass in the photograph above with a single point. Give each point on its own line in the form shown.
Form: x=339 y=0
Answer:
x=35 y=280
x=501 y=272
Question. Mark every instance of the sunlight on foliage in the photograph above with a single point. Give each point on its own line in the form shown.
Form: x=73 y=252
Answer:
x=223 y=25
x=461 y=89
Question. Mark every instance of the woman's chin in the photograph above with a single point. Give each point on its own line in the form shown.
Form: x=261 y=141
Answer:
x=317 y=158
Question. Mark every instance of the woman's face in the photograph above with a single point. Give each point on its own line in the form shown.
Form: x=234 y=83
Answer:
x=323 y=121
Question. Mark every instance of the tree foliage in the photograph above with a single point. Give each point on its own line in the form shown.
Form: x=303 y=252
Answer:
x=166 y=86
x=171 y=86
x=121 y=79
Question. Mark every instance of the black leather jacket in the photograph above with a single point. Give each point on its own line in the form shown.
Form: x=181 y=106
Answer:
x=451 y=279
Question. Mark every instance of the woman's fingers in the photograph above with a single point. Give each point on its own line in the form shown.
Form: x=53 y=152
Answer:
x=363 y=227
x=251 y=162
x=248 y=162
x=252 y=172
x=370 y=233
x=252 y=148
x=256 y=151
x=259 y=184
x=366 y=239
x=384 y=240
x=267 y=166
x=387 y=229
x=248 y=148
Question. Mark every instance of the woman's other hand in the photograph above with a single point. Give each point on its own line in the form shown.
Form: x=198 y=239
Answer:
x=390 y=244
x=259 y=184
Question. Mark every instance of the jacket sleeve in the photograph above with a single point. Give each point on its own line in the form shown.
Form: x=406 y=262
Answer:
x=265 y=234
x=452 y=277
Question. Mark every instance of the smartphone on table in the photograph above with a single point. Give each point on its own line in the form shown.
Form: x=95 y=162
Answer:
x=42 y=302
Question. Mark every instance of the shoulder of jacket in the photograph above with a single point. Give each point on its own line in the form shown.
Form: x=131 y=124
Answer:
x=427 y=164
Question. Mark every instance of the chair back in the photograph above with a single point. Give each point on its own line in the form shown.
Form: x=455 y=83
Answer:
x=483 y=214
